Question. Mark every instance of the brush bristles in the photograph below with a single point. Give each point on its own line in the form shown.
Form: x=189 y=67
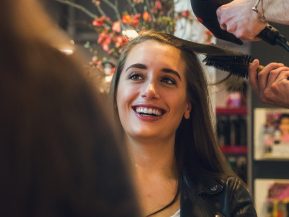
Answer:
x=236 y=65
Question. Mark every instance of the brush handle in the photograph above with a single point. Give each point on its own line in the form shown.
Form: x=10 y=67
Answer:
x=260 y=68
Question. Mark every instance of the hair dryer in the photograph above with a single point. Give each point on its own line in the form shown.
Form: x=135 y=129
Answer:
x=205 y=11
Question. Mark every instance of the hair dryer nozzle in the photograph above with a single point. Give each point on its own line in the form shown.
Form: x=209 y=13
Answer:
x=205 y=11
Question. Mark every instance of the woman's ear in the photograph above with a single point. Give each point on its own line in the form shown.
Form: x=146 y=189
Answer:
x=188 y=111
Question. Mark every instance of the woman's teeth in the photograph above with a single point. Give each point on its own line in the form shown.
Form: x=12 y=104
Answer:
x=148 y=111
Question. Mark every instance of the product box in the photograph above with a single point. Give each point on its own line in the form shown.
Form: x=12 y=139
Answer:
x=271 y=133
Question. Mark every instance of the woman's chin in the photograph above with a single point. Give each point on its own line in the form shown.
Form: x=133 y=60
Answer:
x=146 y=135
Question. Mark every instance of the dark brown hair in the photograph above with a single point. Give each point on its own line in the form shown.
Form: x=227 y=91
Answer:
x=196 y=149
x=60 y=155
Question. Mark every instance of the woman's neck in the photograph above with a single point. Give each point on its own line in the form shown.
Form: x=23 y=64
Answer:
x=155 y=174
x=151 y=156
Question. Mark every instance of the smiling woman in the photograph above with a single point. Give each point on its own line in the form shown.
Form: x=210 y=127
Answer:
x=160 y=96
x=152 y=91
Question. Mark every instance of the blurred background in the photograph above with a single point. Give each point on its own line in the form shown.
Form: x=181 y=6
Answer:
x=243 y=123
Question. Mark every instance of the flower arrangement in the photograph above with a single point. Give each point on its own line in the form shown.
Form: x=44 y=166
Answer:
x=109 y=19
x=138 y=14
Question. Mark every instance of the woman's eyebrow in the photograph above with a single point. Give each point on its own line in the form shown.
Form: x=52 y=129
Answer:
x=171 y=71
x=136 y=65
x=165 y=70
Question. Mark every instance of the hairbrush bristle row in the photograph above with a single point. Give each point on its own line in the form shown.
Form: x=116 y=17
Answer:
x=234 y=64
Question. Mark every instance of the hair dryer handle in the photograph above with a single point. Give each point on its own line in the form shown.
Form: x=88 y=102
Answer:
x=272 y=36
x=269 y=34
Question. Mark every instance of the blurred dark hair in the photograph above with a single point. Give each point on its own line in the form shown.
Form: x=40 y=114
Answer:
x=281 y=117
x=196 y=149
x=60 y=155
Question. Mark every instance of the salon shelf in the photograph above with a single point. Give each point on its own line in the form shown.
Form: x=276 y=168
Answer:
x=263 y=172
x=239 y=150
x=231 y=111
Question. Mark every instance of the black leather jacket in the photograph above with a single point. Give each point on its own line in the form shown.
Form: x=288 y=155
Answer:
x=216 y=198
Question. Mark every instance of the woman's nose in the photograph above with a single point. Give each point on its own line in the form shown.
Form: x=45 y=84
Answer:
x=150 y=91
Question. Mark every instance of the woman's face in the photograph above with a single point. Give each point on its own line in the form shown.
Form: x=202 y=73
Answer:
x=151 y=95
x=284 y=125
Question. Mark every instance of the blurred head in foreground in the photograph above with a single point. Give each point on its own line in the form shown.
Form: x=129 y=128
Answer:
x=59 y=154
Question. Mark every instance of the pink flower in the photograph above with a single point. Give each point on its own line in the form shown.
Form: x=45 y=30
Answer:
x=120 y=41
x=116 y=26
x=99 y=21
x=158 y=5
x=185 y=13
x=104 y=40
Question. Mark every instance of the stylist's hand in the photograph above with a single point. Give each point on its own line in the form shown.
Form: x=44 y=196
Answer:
x=271 y=84
x=238 y=18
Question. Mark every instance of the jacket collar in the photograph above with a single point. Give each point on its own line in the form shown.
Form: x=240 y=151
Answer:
x=205 y=185
x=209 y=186
x=192 y=203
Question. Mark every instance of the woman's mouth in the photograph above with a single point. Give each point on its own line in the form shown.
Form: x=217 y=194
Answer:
x=148 y=111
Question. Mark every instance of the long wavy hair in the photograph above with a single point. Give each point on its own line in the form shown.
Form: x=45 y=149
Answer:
x=196 y=149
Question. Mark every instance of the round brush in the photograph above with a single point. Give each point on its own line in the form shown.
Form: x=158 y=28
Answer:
x=237 y=65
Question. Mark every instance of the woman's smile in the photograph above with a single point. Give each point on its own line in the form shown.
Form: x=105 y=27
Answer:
x=148 y=112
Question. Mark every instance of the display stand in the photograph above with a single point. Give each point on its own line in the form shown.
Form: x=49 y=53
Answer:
x=232 y=137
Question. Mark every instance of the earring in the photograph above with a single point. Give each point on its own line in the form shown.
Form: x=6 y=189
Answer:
x=187 y=115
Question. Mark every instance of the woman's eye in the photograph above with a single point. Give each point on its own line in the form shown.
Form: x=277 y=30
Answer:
x=135 y=77
x=169 y=81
